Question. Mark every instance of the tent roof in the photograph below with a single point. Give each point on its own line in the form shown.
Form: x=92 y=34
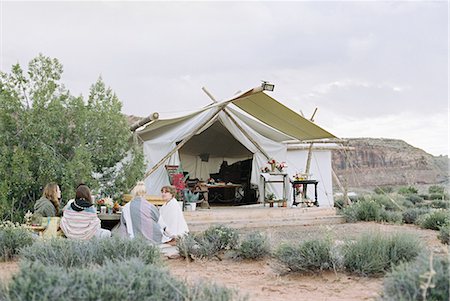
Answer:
x=287 y=123
x=273 y=113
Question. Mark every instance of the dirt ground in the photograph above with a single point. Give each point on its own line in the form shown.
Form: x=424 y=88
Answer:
x=259 y=280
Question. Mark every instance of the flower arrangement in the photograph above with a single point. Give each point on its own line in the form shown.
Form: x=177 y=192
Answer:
x=107 y=201
x=280 y=166
x=299 y=176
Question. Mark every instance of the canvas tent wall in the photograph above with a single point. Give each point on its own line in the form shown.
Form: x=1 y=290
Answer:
x=258 y=140
x=320 y=170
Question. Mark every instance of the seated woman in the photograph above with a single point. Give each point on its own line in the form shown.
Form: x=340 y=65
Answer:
x=80 y=219
x=48 y=204
x=140 y=217
x=172 y=215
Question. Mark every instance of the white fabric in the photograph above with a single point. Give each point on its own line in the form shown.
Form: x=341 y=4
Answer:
x=102 y=233
x=126 y=214
x=173 y=217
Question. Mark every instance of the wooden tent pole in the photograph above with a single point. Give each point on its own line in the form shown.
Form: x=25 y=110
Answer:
x=239 y=127
x=183 y=142
x=308 y=160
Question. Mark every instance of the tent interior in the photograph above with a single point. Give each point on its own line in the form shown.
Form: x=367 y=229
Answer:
x=216 y=154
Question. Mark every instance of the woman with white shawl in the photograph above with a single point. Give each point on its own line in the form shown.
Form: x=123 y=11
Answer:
x=172 y=215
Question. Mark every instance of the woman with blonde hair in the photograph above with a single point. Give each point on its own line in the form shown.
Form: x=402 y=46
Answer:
x=48 y=204
x=140 y=217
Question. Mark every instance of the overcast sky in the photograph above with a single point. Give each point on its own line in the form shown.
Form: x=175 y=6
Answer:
x=373 y=69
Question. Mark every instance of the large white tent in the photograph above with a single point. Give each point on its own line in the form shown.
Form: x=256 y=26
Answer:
x=222 y=132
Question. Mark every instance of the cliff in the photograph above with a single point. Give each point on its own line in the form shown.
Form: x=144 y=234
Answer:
x=372 y=162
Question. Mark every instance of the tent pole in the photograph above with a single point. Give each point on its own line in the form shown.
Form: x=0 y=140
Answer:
x=308 y=160
x=183 y=142
x=239 y=127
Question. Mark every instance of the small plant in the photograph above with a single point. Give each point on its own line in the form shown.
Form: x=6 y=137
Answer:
x=131 y=279
x=309 y=256
x=407 y=190
x=435 y=219
x=374 y=254
x=13 y=237
x=444 y=234
x=73 y=253
x=436 y=189
x=254 y=246
x=362 y=211
x=393 y=217
x=418 y=280
x=411 y=215
x=414 y=198
x=383 y=190
x=440 y=204
x=224 y=238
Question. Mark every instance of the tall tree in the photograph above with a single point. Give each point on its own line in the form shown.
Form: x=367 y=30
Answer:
x=47 y=135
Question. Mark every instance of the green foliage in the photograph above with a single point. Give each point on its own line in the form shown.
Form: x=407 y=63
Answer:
x=407 y=190
x=362 y=211
x=309 y=256
x=383 y=190
x=444 y=234
x=131 y=279
x=440 y=204
x=253 y=246
x=409 y=281
x=394 y=217
x=73 y=253
x=435 y=219
x=208 y=243
x=374 y=253
x=339 y=203
x=411 y=215
x=12 y=239
x=436 y=189
x=439 y=196
x=48 y=135
x=414 y=198
x=222 y=237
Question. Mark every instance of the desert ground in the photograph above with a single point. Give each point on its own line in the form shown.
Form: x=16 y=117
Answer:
x=265 y=279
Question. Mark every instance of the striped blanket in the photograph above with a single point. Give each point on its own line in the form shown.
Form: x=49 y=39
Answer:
x=80 y=225
x=140 y=218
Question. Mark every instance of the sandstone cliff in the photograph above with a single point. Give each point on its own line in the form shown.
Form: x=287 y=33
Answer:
x=382 y=162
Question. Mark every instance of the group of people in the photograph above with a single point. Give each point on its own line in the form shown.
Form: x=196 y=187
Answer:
x=139 y=217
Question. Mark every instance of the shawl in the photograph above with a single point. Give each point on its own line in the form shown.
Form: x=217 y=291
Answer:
x=140 y=218
x=173 y=217
x=80 y=224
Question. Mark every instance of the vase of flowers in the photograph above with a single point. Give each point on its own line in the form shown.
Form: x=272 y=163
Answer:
x=272 y=164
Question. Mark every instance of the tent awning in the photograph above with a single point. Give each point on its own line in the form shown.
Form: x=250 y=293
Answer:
x=273 y=113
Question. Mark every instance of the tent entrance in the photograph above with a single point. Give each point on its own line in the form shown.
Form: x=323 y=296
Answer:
x=216 y=154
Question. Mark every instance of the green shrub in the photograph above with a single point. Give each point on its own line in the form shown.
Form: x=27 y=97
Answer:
x=362 y=211
x=74 y=253
x=414 y=198
x=407 y=190
x=440 y=204
x=196 y=246
x=439 y=196
x=394 y=217
x=224 y=238
x=408 y=281
x=339 y=203
x=385 y=202
x=209 y=243
x=435 y=219
x=444 y=234
x=383 y=190
x=12 y=239
x=411 y=215
x=131 y=279
x=436 y=189
x=374 y=253
x=254 y=246
x=309 y=256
